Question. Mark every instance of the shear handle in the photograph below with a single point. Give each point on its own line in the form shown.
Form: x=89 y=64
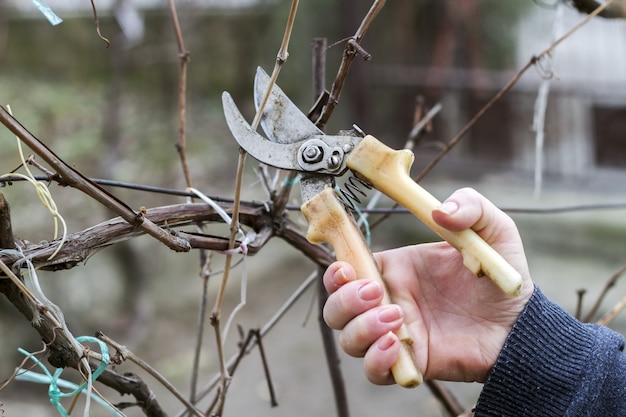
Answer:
x=330 y=223
x=388 y=171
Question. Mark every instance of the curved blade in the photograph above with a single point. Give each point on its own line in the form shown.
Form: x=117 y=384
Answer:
x=282 y=120
x=275 y=154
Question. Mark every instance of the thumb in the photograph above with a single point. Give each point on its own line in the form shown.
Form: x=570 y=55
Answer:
x=466 y=208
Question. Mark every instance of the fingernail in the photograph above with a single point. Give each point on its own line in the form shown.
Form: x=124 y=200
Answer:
x=389 y=313
x=370 y=291
x=340 y=277
x=386 y=341
x=448 y=207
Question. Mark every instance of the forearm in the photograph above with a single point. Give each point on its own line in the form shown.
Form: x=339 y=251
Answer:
x=553 y=365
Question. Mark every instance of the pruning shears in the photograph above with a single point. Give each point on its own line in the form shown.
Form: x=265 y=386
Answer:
x=296 y=144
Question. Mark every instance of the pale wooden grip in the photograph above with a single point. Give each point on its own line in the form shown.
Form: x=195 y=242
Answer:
x=330 y=223
x=388 y=171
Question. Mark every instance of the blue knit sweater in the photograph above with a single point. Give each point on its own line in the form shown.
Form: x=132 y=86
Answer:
x=553 y=365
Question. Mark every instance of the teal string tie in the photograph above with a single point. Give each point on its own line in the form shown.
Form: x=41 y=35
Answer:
x=55 y=382
x=290 y=182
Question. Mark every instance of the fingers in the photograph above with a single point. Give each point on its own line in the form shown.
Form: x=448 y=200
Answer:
x=362 y=331
x=380 y=357
x=348 y=297
x=354 y=307
x=338 y=274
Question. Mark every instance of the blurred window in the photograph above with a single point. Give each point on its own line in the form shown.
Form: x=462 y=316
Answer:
x=609 y=133
x=491 y=138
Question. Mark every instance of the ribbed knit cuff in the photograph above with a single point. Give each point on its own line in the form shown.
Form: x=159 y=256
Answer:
x=540 y=365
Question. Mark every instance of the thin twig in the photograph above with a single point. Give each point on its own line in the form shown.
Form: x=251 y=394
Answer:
x=416 y=132
x=216 y=313
x=20 y=367
x=349 y=54
x=612 y=281
x=247 y=347
x=612 y=313
x=183 y=55
x=422 y=126
x=181 y=148
x=446 y=398
x=125 y=353
x=232 y=367
x=205 y=273
x=266 y=368
x=332 y=354
x=580 y=293
x=97 y=22
x=319 y=67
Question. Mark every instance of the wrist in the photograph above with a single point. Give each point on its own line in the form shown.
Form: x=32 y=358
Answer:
x=540 y=360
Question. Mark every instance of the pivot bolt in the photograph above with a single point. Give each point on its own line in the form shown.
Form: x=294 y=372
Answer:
x=312 y=154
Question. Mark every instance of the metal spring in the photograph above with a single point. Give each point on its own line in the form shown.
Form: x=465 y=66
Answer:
x=351 y=191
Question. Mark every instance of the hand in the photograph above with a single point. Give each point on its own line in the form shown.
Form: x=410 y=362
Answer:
x=458 y=322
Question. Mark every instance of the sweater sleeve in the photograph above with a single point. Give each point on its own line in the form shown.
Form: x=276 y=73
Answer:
x=553 y=365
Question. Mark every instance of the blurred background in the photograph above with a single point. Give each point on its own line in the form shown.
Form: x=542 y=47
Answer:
x=557 y=139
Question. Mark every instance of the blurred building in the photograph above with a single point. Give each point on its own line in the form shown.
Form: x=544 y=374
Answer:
x=585 y=106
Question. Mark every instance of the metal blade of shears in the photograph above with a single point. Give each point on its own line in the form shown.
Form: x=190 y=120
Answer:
x=320 y=154
x=278 y=155
x=282 y=120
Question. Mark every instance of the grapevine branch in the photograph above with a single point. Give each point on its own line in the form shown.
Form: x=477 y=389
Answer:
x=75 y=179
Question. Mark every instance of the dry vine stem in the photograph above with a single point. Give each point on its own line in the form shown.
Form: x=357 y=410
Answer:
x=124 y=353
x=234 y=228
x=97 y=23
x=77 y=180
x=47 y=315
x=609 y=284
x=613 y=312
x=348 y=56
x=251 y=342
x=183 y=55
x=181 y=147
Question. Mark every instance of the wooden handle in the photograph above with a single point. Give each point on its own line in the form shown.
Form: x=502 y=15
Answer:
x=330 y=223
x=388 y=171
